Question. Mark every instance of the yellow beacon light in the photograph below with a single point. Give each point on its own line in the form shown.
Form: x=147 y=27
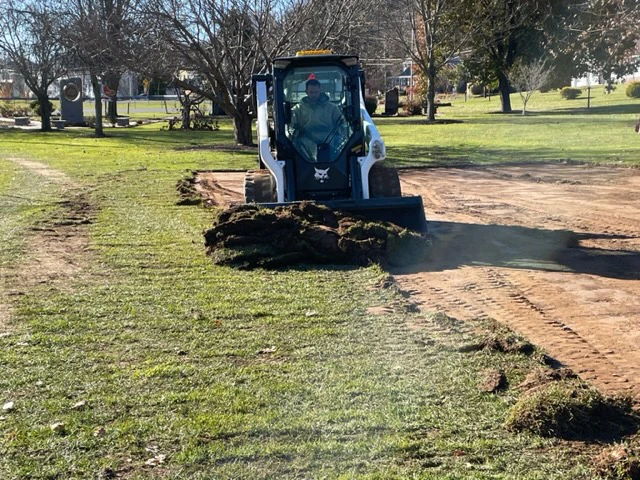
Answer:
x=301 y=53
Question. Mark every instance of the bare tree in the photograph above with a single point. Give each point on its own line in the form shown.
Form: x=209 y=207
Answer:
x=526 y=78
x=99 y=34
x=224 y=42
x=29 y=37
x=434 y=34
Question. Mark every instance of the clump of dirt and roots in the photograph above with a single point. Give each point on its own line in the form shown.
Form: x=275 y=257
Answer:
x=187 y=192
x=620 y=461
x=558 y=404
x=494 y=337
x=249 y=236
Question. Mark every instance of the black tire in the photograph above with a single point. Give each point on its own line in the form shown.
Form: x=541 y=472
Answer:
x=259 y=187
x=384 y=182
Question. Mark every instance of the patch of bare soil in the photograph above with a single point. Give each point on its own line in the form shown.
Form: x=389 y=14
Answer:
x=56 y=249
x=492 y=380
x=43 y=170
x=203 y=186
x=551 y=251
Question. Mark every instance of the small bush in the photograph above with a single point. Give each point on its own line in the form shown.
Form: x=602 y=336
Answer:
x=413 y=107
x=632 y=89
x=35 y=107
x=570 y=93
x=371 y=104
x=477 y=89
x=9 y=110
x=495 y=89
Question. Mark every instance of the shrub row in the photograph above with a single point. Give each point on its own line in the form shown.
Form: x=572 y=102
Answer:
x=632 y=90
x=10 y=110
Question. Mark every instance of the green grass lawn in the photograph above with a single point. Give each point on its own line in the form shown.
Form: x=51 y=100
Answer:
x=194 y=371
x=553 y=130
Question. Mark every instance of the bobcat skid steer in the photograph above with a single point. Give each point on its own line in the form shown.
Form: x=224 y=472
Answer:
x=338 y=166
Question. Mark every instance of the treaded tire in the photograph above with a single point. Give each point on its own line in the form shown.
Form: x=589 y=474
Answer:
x=259 y=187
x=384 y=182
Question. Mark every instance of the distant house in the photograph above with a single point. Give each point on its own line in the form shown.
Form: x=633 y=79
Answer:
x=406 y=79
x=129 y=85
x=591 y=79
x=12 y=85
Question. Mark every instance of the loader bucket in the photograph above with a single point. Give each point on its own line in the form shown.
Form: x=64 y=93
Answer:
x=406 y=212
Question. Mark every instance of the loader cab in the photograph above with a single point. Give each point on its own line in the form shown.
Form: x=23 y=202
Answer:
x=318 y=129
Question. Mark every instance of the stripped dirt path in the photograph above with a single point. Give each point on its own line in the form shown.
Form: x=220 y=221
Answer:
x=55 y=249
x=552 y=251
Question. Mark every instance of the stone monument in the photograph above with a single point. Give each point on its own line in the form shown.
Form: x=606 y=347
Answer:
x=391 y=102
x=71 y=101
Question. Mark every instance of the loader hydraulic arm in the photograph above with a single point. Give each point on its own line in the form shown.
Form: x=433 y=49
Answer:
x=276 y=167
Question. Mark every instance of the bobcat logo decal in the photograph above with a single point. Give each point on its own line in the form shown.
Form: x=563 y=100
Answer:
x=321 y=175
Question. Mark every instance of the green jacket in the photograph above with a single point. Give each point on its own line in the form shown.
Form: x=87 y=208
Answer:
x=315 y=121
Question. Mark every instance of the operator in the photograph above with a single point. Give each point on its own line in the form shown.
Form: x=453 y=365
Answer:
x=315 y=121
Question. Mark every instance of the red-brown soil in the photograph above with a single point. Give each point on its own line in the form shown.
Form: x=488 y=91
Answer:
x=551 y=251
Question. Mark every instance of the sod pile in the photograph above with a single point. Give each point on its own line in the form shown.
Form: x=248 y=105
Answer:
x=249 y=236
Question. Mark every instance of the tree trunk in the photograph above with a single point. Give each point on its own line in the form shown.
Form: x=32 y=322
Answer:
x=97 y=93
x=112 y=81
x=242 y=129
x=505 y=94
x=112 y=109
x=186 y=113
x=45 y=113
x=431 y=93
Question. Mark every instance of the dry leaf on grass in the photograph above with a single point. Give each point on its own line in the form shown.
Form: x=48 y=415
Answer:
x=157 y=460
x=58 y=427
x=271 y=349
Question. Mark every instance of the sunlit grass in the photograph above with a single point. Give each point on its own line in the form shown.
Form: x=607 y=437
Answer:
x=553 y=130
x=264 y=374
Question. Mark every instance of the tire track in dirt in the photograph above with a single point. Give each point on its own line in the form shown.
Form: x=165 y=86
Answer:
x=495 y=295
x=56 y=249
x=500 y=252
x=214 y=193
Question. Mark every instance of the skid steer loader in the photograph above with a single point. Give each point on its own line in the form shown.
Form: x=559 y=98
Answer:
x=338 y=167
